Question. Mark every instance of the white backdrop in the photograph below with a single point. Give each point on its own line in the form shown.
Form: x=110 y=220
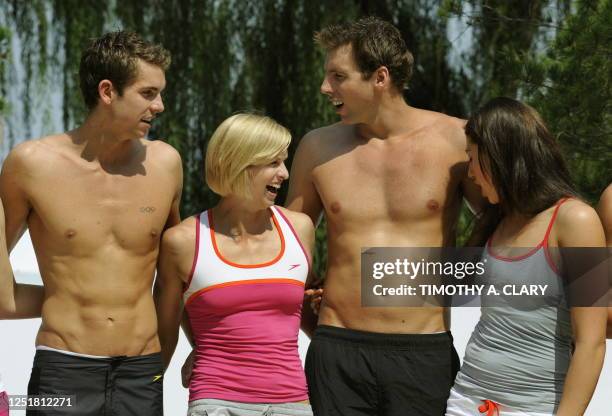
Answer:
x=17 y=348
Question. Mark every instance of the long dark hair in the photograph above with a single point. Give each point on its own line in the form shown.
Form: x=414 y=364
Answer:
x=522 y=158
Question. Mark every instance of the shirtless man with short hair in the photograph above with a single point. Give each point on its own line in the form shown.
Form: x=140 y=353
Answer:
x=387 y=175
x=96 y=201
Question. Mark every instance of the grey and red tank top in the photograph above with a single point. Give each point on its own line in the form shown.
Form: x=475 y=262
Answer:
x=519 y=356
x=245 y=320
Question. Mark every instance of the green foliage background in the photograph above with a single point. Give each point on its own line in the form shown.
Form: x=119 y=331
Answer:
x=231 y=55
x=4 y=50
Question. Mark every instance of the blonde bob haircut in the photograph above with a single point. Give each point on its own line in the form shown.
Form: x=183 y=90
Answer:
x=241 y=141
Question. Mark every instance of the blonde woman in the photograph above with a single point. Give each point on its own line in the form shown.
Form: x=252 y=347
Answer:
x=239 y=270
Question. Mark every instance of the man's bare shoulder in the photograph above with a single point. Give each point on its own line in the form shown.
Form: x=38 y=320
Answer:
x=444 y=126
x=431 y=117
x=181 y=237
x=327 y=136
x=36 y=153
x=162 y=152
x=320 y=145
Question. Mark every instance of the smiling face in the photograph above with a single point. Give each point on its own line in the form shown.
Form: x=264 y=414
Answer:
x=481 y=177
x=267 y=179
x=348 y=92
x=133 y=111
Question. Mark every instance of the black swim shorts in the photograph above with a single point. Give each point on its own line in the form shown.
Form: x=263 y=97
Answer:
x=116 y=386
x=354 y=373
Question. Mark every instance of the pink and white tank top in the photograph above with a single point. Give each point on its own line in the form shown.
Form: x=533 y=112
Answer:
x=245 y=320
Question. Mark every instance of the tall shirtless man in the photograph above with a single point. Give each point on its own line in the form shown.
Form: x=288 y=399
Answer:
x=387 y=175
x=96 y=201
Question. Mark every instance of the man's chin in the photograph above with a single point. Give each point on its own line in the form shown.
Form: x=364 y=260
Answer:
x=346 y=121
x=139 y=134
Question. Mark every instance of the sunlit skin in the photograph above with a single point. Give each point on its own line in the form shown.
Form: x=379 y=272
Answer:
x=96 y=201
x=344 y=83
x=387 y=175
x=266 y=180
x=604 y=209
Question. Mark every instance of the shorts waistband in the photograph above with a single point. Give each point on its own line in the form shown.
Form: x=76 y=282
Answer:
x=380 y=339
x=74 y=354
x=58 y=356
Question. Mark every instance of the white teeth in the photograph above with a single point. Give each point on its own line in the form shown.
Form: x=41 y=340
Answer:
x=337 y=102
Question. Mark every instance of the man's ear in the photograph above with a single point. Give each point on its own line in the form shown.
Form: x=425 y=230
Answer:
x=106 y=91
x=382 y=78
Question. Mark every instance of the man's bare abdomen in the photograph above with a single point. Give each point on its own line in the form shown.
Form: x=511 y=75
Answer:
x=342 y=307
x=341 y=304
x=99 y=306
x=89 y=330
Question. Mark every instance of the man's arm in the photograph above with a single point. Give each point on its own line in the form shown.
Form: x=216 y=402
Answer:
x=469 y=190
x=17 y=301
x=472 y=196
x=174 y=217
x=303 y=195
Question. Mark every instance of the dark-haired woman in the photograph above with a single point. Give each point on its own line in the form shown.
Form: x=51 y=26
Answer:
x=519 y=360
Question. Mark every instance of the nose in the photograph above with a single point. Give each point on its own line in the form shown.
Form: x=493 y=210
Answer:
x=326 y=87
x=157 y=106
x=283 y=172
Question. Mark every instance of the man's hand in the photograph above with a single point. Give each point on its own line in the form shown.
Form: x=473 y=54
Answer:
x=316 y=296
x=187 y=369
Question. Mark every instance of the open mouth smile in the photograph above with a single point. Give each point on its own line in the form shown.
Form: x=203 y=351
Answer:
x=273 y=189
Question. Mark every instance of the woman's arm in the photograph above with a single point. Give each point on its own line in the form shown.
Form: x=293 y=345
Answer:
x=305 y=231
x=579 y=226
x=604 y=209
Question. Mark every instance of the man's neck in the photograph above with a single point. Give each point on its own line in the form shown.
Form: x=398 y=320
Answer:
x=96 y=140
x=392 y=118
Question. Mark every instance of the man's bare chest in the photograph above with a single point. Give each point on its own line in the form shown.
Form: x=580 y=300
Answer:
x=92 y=210
x=400 y=185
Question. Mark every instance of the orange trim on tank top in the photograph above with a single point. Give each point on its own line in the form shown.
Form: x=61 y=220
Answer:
x=491 y=408
x=244 y=282
x=246 y=266
x=542 y=243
